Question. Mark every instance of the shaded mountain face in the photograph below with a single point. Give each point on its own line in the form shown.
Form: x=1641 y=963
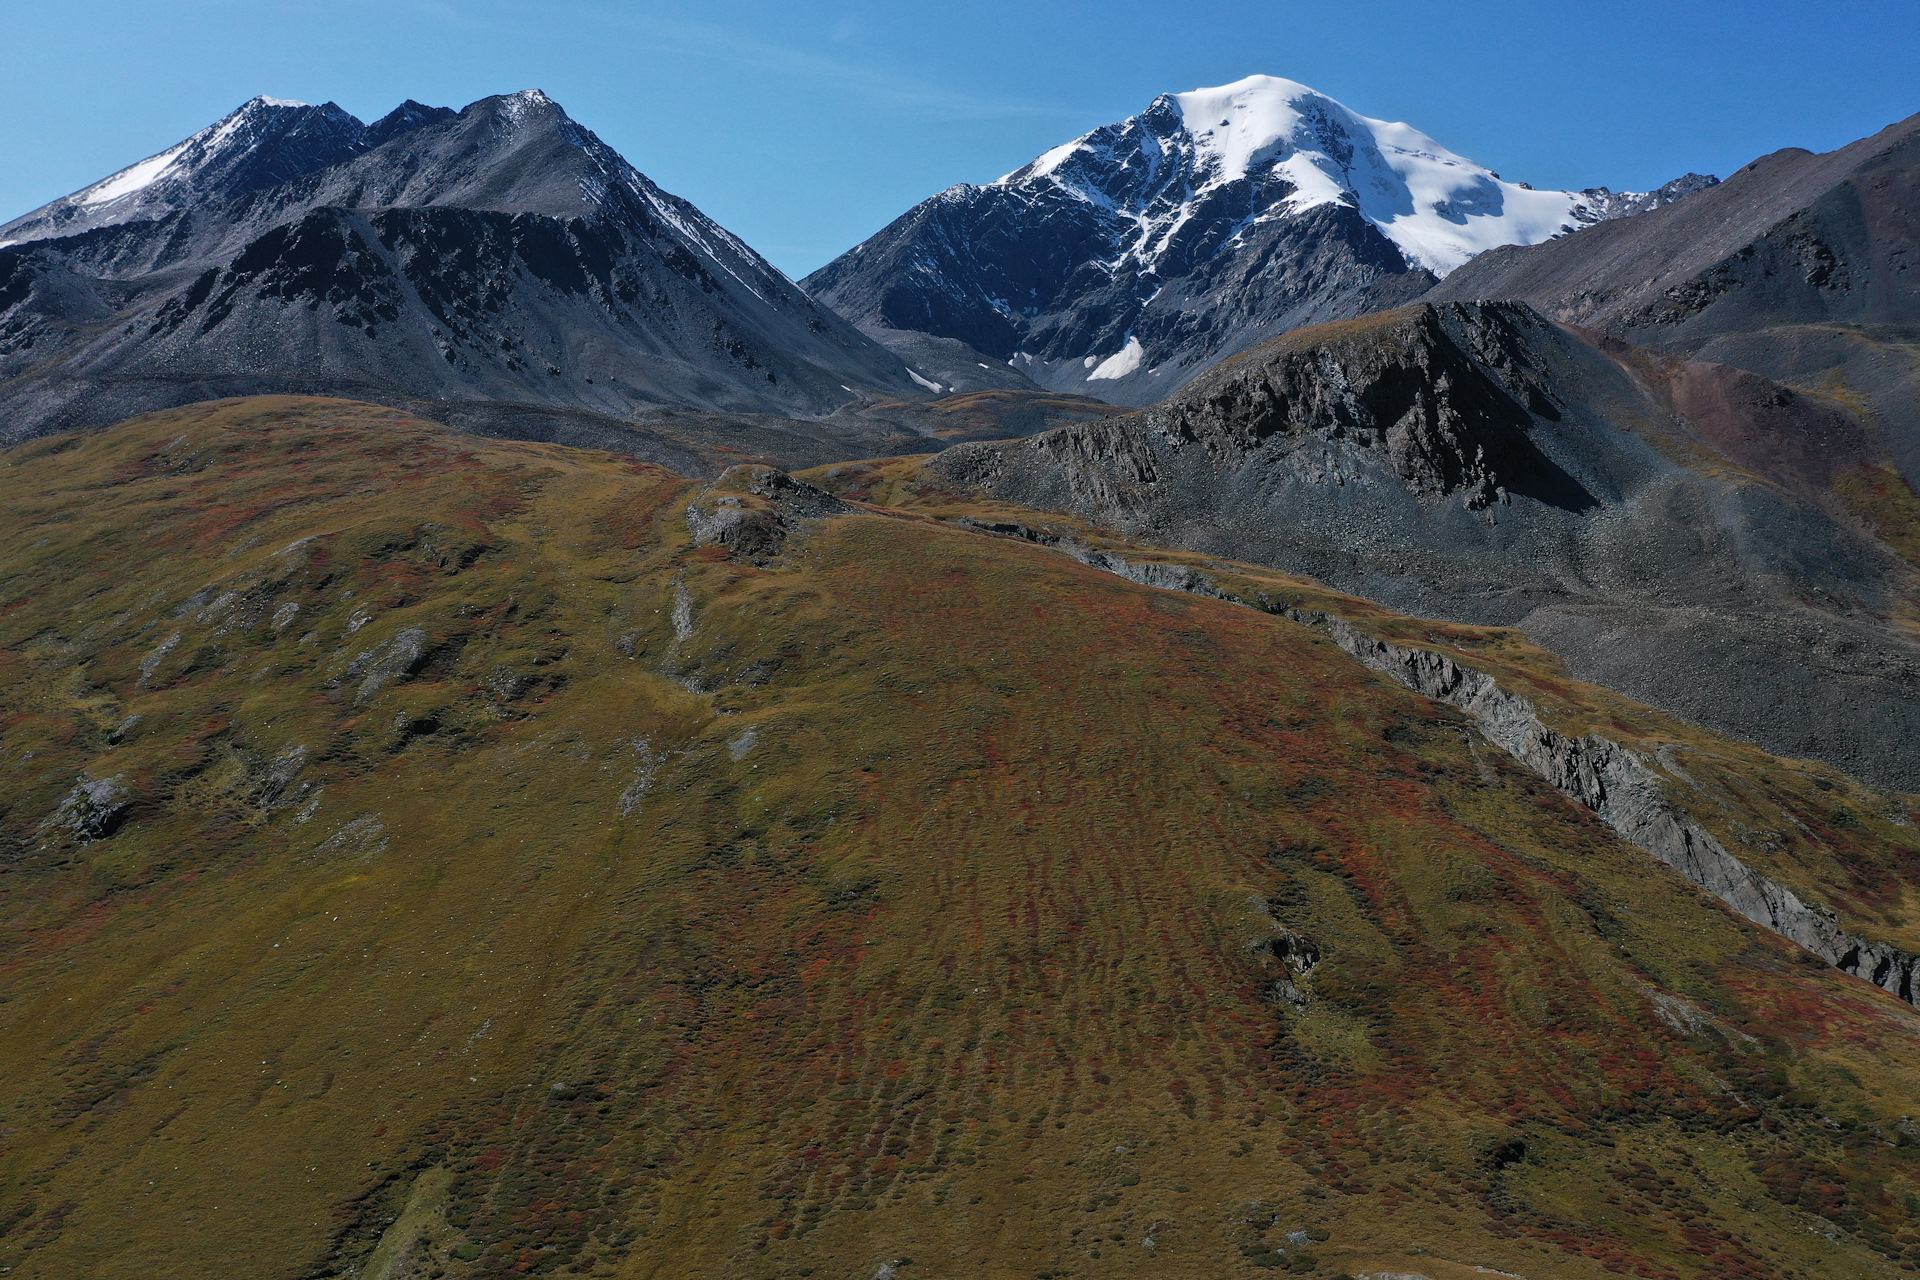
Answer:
x=1800 y=267
x=1122 y=264
x=430 y=854
x=1657 y=525
x=500 y=254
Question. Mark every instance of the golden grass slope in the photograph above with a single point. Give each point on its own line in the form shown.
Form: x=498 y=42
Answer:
x=546 y=895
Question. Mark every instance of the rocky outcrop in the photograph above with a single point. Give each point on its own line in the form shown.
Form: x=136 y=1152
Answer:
x=1439 y=402
x=753 y=510
x=93 y=810
x=1405 y=392
x=388 y=661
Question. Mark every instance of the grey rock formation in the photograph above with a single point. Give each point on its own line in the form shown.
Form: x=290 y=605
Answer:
x=1480 y=464
x=503 y=254
x=1629 y=795
x=1607 y=204
x=945 y=268
x=93 y=810
x=388 y=661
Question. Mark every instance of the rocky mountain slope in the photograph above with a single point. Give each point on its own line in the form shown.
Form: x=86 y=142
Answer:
x=1801 y=267
x=1660 y=527
x=503 y=254
x=1125 y=262
x=428 y=856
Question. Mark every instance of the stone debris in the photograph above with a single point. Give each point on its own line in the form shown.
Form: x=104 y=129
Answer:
x=387 y=661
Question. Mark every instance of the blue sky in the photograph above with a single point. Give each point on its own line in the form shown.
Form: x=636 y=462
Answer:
x=807 y=126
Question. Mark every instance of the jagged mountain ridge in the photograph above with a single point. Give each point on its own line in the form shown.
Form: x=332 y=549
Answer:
x=1800 y=267
x=1125 y=262
x=1605 y=204
x=265 y=142
x=1662 y=530
x=502 y=253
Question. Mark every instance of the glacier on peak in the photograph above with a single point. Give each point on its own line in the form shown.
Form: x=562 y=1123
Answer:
x=1438 y=208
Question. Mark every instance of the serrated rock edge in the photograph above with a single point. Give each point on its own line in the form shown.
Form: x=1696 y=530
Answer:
x=1624 y=791
x=1614 y=782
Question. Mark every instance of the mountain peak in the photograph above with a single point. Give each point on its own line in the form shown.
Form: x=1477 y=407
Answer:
x=259 y=144
x=263 y=142
x=405 y=118
x=1127 y=260
x=215 y=244
x=522 y=105
x=1438 y=208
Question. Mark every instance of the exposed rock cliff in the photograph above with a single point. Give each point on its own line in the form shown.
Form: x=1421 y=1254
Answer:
x=754 y=510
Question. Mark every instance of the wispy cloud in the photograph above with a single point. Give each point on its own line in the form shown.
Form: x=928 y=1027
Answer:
x=875 y=84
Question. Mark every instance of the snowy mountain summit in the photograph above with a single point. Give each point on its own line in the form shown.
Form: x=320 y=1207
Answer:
x=1124 y=262
x=1273 y=148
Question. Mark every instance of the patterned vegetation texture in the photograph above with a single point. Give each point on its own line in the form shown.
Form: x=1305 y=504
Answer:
x=422 y=859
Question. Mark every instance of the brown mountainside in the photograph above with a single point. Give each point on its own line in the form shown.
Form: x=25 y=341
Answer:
x=428 y=856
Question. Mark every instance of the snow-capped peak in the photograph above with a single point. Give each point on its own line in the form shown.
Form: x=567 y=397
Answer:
x=1439 y=208
x=266 y=140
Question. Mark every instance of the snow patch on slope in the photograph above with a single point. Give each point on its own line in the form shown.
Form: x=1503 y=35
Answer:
x=133 y=178
x=1120 y=363
x=233 y=134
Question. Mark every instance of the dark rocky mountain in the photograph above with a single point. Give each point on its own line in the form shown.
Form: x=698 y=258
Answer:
x=1126 y=262
x=502 y=254
x=1651 y=523
x=264 y=143
x=405 y=118
x=1802 y=267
